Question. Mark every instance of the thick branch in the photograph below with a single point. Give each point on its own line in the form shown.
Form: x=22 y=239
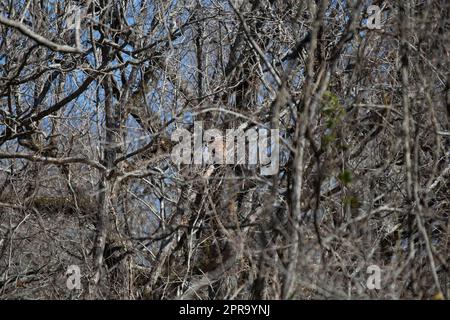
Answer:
x=38 y=38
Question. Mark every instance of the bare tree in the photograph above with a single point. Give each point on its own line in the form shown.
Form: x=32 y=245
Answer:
x=92 y=91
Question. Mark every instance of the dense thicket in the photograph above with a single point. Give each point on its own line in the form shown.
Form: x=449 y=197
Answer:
x=91 y=91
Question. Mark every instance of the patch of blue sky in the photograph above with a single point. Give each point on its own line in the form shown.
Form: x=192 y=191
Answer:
x=136 y=136
x=188 y=117
x=26 y=99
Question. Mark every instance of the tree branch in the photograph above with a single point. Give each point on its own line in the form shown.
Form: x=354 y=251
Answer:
x=38 y=38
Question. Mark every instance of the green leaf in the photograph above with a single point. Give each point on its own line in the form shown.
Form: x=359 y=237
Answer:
x=345 y=177
x=327 y=139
